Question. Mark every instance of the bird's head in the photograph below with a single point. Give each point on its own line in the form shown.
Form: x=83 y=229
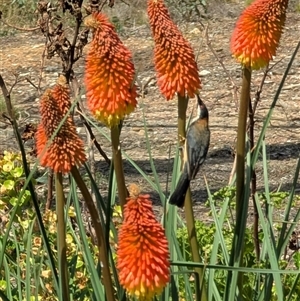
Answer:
x=202 y=110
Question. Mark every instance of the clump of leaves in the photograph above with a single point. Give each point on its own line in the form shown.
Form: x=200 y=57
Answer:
x=206 y=233
x=25 y=258
x=12 y=179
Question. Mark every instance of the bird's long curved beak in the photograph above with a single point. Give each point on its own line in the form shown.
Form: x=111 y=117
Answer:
x=200 y=102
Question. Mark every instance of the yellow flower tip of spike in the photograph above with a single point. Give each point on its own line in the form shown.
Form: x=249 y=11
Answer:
x=134 y=190
x=257 y=32
x=91 y=22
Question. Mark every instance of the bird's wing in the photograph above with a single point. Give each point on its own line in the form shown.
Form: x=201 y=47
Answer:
x=196 y=150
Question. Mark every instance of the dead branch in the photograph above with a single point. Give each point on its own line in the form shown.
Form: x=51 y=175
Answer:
x=92 y=136
x=234 y=86
x=86 y=124
x=32 y=83
x=17 y=27
x=6 y=96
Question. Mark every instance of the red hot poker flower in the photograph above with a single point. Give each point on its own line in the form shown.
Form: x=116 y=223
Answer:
x=66 y=150
x=174 y=59
x=143 y=255
x=109 y=74
x=257 y=32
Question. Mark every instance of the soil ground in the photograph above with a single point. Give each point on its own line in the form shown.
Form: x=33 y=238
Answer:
x=21 y=54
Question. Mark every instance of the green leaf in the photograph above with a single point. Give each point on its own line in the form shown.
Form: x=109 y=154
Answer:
x=17 y=172
x=8 y=184
x=3 y=285
x=13 y=201
x=79 y=264
x=7 y=167
x=296 y=258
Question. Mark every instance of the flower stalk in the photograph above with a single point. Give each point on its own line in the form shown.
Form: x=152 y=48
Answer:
x=188 y=204
x=61 y=239
x=102 y=247
x=241 y=203
x=241 y=139
x=111 y=92
x=177 y=73
x=118 y=165
x=253 y=43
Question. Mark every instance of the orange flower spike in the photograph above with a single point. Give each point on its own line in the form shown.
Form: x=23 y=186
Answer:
x=67 y=149
x=257 y=32
x=109 y=74
x=174 y=59
x=143 y=255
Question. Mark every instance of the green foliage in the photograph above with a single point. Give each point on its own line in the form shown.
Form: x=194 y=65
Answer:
x=17 y=13
x=11 y=181
x=26 y=270
x=188 y=10
x=205 y=234
x=25 y=257
x=118 y=24
x=26 y=260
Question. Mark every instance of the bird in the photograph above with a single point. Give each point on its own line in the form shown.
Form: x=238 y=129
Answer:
x=195 y=150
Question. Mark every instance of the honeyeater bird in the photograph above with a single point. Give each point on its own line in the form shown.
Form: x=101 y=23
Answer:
x=195 y=150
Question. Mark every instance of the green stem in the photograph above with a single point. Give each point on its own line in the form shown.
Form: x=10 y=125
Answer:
x=240 y=146
x=118 y=165
x=188 y=206
x=240 y=172
x=61 y=239
x=182 y=107
x=103 y=249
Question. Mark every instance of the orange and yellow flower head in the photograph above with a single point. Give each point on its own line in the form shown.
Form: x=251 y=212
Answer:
x=257 y=32
x=109 y=74
x=143 y=254
x=174 y=59
x=66 y=149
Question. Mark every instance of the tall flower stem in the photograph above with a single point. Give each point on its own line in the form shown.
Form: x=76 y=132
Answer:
x=61 y=239
x=188 y=206
x=103 y=258
x=240 y=146
x=118 y=165
x=241 y=203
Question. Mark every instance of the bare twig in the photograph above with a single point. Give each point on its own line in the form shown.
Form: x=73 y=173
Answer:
x=6 y=95
x=260 y=88
x=92 y=136
x=42 y=68
x=17 y=80
x=123 y=1
x=50 y=190
x=87 y=126
x=253 y=185
x=19 y=28
x=145 y=85
x=32 y=83
x=234 y=86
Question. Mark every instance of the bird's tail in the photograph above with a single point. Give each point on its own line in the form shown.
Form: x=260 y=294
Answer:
x=178 y=196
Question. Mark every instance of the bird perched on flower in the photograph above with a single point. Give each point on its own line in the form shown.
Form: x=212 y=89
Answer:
x=195 y=151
